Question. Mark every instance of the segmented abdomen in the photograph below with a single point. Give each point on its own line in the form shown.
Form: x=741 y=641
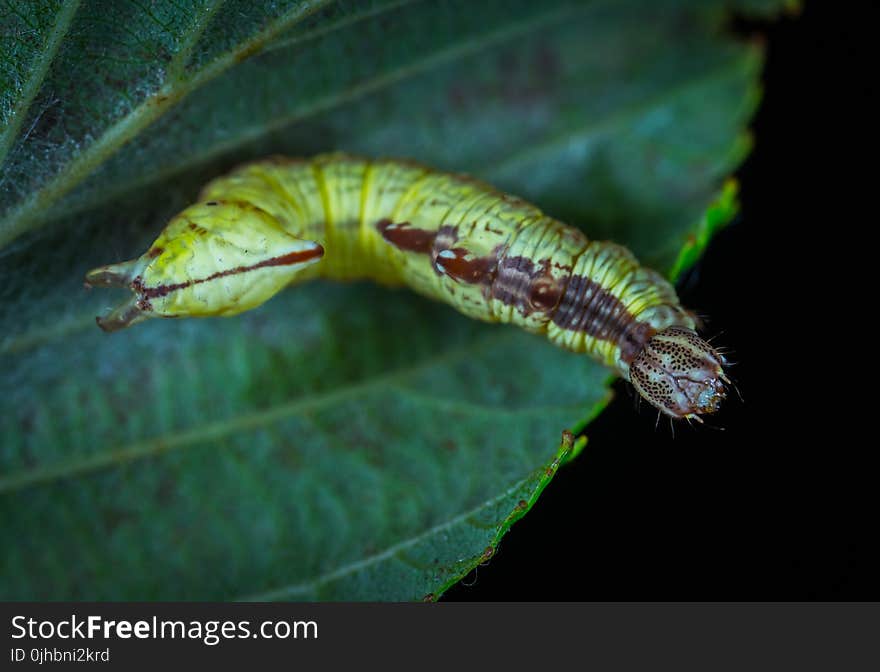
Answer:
x=492 y=256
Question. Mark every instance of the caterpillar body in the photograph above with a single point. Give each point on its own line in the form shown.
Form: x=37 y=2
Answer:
x=492 y=256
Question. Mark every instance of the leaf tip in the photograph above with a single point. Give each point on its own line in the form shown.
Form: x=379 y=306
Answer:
x=718 y=214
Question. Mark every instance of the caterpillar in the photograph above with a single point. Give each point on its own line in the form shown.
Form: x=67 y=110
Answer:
x=492 y=256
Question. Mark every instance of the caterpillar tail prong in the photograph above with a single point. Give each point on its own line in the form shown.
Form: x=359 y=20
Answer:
x=214 y=258
x=121 y=275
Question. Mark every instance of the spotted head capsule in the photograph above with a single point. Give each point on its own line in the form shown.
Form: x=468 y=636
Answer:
x=680 y=374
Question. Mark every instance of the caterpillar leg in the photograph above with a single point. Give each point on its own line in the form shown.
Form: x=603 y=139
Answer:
x=214 y=258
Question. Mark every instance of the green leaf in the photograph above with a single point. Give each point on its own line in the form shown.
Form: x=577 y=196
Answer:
x=343 y=441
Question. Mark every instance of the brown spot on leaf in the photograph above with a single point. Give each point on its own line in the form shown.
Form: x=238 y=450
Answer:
x=283 y=260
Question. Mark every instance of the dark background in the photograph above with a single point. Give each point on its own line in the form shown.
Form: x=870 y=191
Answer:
x=772 y=507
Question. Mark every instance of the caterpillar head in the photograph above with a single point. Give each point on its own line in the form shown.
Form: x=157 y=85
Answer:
x=680 y=374
x=214 y=258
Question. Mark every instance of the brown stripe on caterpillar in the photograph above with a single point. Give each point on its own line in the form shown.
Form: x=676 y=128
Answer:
x=462 y=266
x=405 y=237
x=583 y=305
x=511 y=280
x=529 y=287
x=284 y=260
x=410 y=239
x=438 y=244
x=587 y=307
x=456 y=262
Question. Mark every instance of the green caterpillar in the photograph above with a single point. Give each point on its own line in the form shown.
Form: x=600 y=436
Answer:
x=494 y=257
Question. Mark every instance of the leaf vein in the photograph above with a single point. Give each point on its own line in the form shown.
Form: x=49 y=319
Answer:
x=392 y=551
x=219 y=429
x=31 y=88
x=114 y=137
x=145 y=114
x=189 y=41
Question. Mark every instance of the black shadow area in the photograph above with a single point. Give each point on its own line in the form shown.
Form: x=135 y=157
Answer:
x=773 y=507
